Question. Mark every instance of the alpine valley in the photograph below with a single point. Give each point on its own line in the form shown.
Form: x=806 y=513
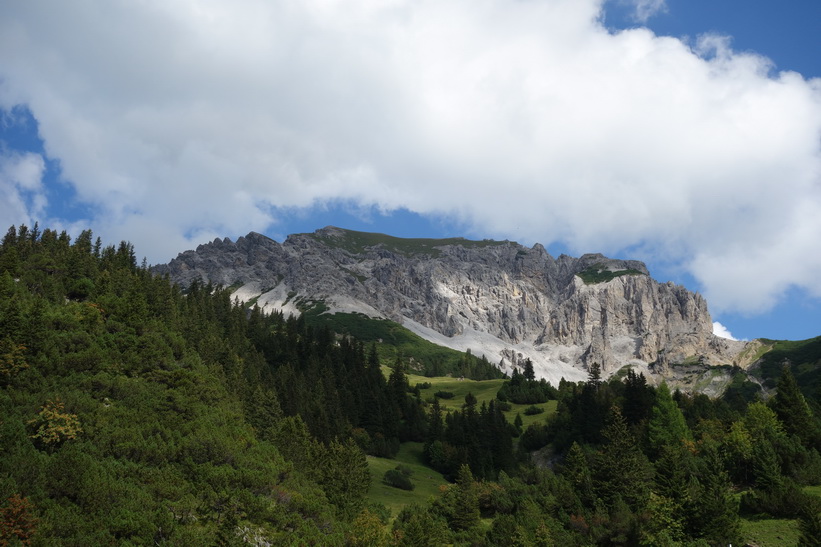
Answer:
x=496 y=299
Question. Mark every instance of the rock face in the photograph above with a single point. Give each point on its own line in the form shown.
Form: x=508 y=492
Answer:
x=499 y=299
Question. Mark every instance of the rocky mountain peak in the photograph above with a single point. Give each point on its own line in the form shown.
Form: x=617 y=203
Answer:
x=497 y=298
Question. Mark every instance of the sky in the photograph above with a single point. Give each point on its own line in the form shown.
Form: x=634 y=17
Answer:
x=685 y=133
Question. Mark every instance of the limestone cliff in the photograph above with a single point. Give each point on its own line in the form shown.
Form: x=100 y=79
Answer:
x=500 y=299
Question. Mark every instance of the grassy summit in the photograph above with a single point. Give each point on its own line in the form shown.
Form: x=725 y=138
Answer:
x=358 y=242
x=599 y=274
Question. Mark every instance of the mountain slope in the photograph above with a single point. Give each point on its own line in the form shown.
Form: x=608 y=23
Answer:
x=496 y=298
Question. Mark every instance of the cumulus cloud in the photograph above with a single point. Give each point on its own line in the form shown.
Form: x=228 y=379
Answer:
x=22 y=196
x=721 y=330
x=521 y=120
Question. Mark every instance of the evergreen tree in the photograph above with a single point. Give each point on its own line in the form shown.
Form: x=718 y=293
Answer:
x=713 y=512
x=466 y=501
x=666 y=425
x=792 y=409
x=528 y=373
x=577 y=472
x=810 y=524
x=638 y=398
x=621 y=470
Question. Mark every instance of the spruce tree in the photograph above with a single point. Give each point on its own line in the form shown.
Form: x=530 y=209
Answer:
x=792 y=409
x=466 y=503
x=666 y=425
x=713 y=512
x=810 y=524
x=621 y=469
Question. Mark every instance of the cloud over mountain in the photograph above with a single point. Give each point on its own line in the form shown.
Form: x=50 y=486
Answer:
x=528 y=120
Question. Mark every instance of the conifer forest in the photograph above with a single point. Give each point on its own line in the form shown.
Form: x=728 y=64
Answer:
x=137 y=412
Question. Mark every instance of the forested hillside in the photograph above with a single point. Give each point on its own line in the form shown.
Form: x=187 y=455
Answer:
x=135 y=412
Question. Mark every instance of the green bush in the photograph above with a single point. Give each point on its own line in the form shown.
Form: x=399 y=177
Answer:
x=397 y=479
x=533 y=410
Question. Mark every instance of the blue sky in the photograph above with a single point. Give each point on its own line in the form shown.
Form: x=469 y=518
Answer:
x=682 y=133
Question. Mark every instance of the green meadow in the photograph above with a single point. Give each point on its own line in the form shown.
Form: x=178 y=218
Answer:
x=425 y=480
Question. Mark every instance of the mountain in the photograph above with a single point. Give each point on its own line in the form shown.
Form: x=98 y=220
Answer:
x=499 y=299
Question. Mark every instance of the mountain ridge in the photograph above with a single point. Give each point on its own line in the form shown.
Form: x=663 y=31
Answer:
x=497 y=298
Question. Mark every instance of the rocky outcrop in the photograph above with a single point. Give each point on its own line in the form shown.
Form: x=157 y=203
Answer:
x=500 y=299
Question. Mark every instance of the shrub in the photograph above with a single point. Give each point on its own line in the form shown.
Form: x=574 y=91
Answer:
x=533 y=410
x=397 y=479
x=444 y=394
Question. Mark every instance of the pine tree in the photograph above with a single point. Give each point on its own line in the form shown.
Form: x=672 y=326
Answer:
x=529 y=374
x=792 y=409
x=638 y=398
x=621 y=469
x=810 y=524
x=666 y=425
x=466 y=503
x=577 y=472
x=713 y=512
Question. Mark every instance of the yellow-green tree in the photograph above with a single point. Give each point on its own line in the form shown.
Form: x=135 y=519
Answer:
x=53 y=425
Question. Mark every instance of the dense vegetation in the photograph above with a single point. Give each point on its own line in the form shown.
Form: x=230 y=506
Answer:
x=132 y=412
x=359 y=242
x=598 y=274
x=393 y=341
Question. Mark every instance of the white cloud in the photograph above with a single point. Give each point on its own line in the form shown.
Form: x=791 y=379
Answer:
x=721 y=330
x=645 y=9
x=22 y=199
x=523 y=120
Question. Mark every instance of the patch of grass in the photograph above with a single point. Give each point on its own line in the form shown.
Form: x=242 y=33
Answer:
x=234 y=286
x=483 y=390
x=770 y=532
x=426 y=481
x=812 y=490
x=358 y=242
x=599 y=274
x=394 y=340
x=804 y=358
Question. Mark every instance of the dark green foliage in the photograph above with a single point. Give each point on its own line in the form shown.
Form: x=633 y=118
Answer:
x=137 y=413
x=810 y=523
x=394 y=340
x=638 y=398
x=803 y=357
x=792 y=409
x=533 y=410
x=464 y=510
x=444 y=394
x=398 y=479
x=360 y=242
x=666 y=426
x=534 y=437
x=712 y=511
x=133 y=414
x=597 y=274
x=524 y=389
x=622 y=469
x=417 y=526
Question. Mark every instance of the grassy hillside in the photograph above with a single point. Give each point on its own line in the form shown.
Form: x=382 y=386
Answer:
x=803 y=356
x=426 y=481
x=393 y=340
x=484 y=391
x=358 y=242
